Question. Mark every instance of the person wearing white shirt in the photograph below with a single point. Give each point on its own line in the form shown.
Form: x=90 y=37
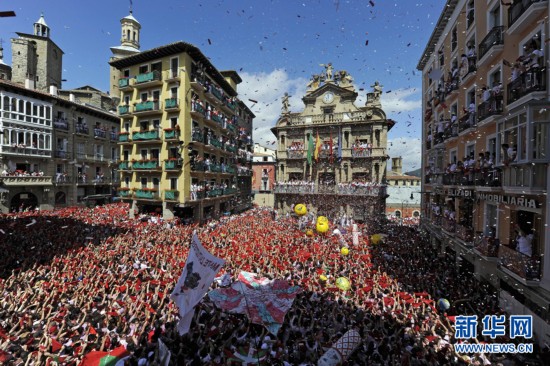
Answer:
x=524 y=242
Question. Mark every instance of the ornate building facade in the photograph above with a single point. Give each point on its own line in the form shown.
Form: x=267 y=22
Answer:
x=53 y=151
x=332 y=155
x=185 y=137
x=485 y=148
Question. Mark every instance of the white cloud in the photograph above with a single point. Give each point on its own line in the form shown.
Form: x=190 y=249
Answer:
x=400 y=101
x=267 y=89
x=409 y=149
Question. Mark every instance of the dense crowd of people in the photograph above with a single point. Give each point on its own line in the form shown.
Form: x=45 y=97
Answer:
x=76 y=280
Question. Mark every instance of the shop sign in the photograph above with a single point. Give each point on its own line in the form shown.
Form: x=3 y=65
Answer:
x=458 y=192
x=509 y=200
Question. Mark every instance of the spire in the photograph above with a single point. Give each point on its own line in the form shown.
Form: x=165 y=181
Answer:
x=41 y=28
x=130 y=31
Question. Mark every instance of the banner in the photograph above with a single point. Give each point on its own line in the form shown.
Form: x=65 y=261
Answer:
x=198 y=274
x=264 y=301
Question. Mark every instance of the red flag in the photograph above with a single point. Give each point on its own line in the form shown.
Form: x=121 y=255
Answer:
x=56 y=346
x=93 y=331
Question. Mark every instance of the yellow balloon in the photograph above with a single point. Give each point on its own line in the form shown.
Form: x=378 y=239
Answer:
x=322 y=227
x=300 y=209
x=309 y=232
x=344 y=251
x=323 y=278
x=343 y=283
x=322 y=219
x=376 y=238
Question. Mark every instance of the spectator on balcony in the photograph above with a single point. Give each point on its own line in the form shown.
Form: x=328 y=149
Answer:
x=524 y=241
x=463 y=65
x=440 y=129
x=516 y=71
x=485 y=93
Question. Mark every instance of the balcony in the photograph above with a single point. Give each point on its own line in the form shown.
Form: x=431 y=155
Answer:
x=472 y=68
x=229 y=191
x=172 y=75
x=492 y=40
x=171 y=103
x=229 y=169
x=231 y=148
x=523 y=177
x=197 y=137
x=61 y=124
x=113 y=136
x=528 y=268
x=467 y=121
x=216 y=93
x=493 y=107
x=124 y=193
x=231 y=127
x=61 y=154
x=25 y=181
x=199 y=166
x=527 y=10
x=216 y=143
x=448 y=225
x=100 y=133
x=123 y=137
x=465 y=233
x=526 y=83
x=123 y=165
x=171 y=195
x=295 y=154
x=214 y=168
x=145 y=136
x=361 y=152
x=171 y=134
x=172 y=164
x=146 y=193
x=487 y=246
x=147 y=107
x=123 y=109
x=214 y=193
x=145 y=165
x=124 y=83
x=349 y=190
x=197 y=109
x=148 y=79
x=82 y=129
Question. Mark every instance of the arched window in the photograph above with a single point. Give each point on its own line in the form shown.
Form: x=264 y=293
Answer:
x=134 y=36
x=397 y=213
x=416 y=214
x=128 y=35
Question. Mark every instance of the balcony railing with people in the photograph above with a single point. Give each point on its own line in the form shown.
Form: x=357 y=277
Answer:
x=468 y=120
x=482 y=177
x=493 y=106
x=341 y=189
x=295 y=154
x=449 y=225
x=61 y=124
x=100 y=133
x=147 y=106
x=517 y=8
x=528 y=268
x=82 y=129
x=526 y=83
x=171 y=134
x=465 y=233
x=197 y=136
x=173 y=164
x=486 y=246
x=493 y=38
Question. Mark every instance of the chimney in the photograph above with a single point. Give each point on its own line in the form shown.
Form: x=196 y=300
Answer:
x=397 y=165
x=30 y=84
x=53 y=90
x=71 y=97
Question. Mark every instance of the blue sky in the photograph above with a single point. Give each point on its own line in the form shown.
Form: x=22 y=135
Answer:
x=274 y=45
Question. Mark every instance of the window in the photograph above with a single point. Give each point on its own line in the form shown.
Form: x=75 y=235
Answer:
x=416 y=214
x=126 y=73
x=143 y=182
x=397 y=213
x=452 y=156
x=155 y=154
x=454 y=39
x=494 y=17
x=174 y=63
x=143 y=69
x=539 y=135
x=173 y=184
x=144 y=96
x=174 y=92
x=470 y=14
x=491 y=220
x=174 y=122
x=157 y=66
x=495 y=78
x=513 y=139
x=156 y=183
x=144 y=125
x=126 y=99
x=470 y=151
x=156 y=123
x=143 y=154
x=264 y=158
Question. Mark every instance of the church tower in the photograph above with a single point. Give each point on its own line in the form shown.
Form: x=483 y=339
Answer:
x=129 y=45
x=37 y=62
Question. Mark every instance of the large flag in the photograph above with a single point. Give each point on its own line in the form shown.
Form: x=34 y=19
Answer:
x=264 y=301
x=115 y=357
x=340 y=143
x=197 y=276
x=246 y=355
x=317 y=147
x=164 y=354
x=310 y=149
x=331 y=158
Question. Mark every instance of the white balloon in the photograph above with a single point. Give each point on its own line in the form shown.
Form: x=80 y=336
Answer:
x=336 y=232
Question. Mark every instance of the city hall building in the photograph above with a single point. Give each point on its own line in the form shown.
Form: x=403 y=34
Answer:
x=485 y=147
x=332 y=155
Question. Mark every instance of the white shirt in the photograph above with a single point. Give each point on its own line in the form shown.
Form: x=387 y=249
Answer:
x=524 y=244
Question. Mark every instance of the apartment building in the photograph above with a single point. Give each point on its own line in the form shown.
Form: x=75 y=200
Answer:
x=185 y=137
x=263 y=175
x=485 y=147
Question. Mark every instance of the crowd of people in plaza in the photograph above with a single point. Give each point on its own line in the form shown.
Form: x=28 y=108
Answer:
x=76 y=280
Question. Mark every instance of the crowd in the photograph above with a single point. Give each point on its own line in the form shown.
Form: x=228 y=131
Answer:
x=76 y=280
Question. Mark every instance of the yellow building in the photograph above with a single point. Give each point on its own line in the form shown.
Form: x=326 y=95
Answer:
x=184 y=133
x=332 y=155
x=485 y=147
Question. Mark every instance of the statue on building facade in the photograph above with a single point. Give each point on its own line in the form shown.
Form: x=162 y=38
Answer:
x=328 y=71
x=286 y=104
